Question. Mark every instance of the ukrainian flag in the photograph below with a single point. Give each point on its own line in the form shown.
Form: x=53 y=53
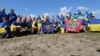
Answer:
x=94 y=25
x=39 y=25
x=2 y=30
x=12 y=27
x=62 y=28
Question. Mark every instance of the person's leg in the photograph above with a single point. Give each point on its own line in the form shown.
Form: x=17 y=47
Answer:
x=35 y=30
x=29 y=31
x=16 y=31
x=8 y=31
x=4 y=35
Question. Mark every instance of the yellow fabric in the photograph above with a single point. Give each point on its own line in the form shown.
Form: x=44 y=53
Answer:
x=2 y=30
x=94 y=27
x=33 y=24
x=23 y=29
x=47 y=26
x=62 y=30
x=39 y=25
x=12 y=27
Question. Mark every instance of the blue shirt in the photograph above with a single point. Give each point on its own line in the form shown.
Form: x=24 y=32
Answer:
x=2 y=14
x=12 y=17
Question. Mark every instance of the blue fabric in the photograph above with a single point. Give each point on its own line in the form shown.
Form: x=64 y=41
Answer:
x=75 y=16
x=86 y=15
x=63 y=25
x=94 y=21
x=58 y=18
x=62 y=18
x=84 y=22
x=2 y=14
x=47 y=23
x=56 y=23
x=12 y=17
x=3 y=24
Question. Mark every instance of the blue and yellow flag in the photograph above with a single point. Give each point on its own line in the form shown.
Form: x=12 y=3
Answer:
x=94 y=25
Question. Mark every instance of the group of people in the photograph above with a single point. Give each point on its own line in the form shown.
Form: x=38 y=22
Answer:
x=23 y=25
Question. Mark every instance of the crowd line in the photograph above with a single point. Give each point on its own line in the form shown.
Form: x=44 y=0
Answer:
x=12 y=24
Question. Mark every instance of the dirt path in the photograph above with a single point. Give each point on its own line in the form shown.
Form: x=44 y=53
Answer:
x=80 y=44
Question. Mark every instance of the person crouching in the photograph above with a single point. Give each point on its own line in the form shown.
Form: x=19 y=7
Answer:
x=24 y=26
x=17 y=27
x=6 y=25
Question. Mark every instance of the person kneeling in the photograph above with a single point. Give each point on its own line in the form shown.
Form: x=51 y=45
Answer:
x=6 y=25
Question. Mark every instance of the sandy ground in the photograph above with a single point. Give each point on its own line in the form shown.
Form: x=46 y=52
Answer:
x=69 y=44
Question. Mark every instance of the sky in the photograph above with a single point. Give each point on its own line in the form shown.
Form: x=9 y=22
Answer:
x=51 y=7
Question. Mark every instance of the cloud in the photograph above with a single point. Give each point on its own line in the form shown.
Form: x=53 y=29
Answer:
x=82 y=8
x=46 y=14
x=96 y=12
x=64 y=10
x=32 y=15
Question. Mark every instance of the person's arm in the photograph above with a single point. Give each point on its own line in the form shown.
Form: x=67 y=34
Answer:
x=15 y=16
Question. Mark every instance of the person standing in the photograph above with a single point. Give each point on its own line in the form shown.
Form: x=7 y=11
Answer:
x=12 y=16
x=2 y=14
